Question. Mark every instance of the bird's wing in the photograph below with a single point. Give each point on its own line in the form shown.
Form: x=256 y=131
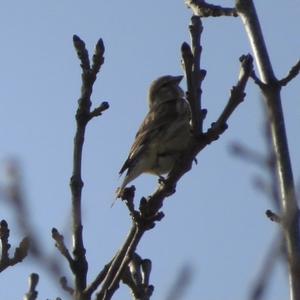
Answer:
x=157 y=120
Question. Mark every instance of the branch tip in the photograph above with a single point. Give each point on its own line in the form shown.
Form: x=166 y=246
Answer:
x=100 y=48
x=82 y=52
x=186 y=49
x=294 y=71
x=273 y=216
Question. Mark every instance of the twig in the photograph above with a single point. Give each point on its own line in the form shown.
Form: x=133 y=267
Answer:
x=20 y=252
x=98 y=280
x=292 y=74
x=60 y=244
x=78 y=262
x=194 y=75
x=119 y=263
x=32 y=293
x=273 y=216
x=83 y=115
x=203 y=9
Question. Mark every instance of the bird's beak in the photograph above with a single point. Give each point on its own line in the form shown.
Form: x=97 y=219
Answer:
x=177 y=79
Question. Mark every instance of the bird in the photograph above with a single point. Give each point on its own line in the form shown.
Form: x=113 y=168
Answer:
x=163 y=134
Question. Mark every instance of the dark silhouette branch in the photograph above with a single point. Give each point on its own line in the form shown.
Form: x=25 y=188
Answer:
x=203 y=9
x=119 y=263
x=271 y=92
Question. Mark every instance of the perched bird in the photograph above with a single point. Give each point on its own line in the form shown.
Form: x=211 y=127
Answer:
x=164 y=133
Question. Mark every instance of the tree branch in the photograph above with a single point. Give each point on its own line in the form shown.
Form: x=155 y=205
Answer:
x=78 y=262
x=20 y=252
x=32 y=293
x=272 y=97
x=294 y=71
x=203 y=9
x=83 y=115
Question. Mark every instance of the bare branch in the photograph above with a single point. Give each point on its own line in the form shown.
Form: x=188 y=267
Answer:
x=119 y=263
x=98 y=280
x=32 y=293
x=98 y=58
x=203 y=9
x=82 y=52
x=237 y=92
x=78 y=262
x=194 y=75
x=60 y=245
x=292 y=74
x=272 y=96
x=273 y=216
x=20 y=252
x=99 y=110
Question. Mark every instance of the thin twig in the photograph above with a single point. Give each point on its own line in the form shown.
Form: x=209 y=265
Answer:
x=60 y=244
x=294 y=71
x=83 y=115
x=194 y=75
x=114 y=268
x=273 y=216
x=32 y=293
x=203 y=9
x=78 y=262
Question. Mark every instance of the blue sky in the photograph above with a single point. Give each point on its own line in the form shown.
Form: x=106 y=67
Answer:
x=215 y=223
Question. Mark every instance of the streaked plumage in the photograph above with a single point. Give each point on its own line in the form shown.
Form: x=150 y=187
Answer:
x=164 y=133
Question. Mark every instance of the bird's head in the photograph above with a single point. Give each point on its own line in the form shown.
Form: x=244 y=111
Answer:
x=165 y=88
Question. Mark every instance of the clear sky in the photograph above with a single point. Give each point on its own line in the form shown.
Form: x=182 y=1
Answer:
x=215 y=223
